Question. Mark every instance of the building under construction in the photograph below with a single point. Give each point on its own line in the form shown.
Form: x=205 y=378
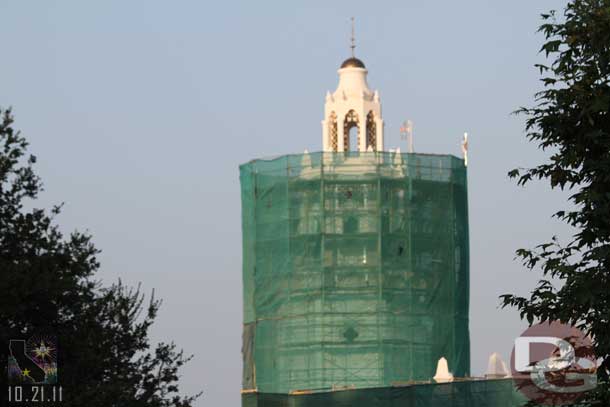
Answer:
x=356 y=269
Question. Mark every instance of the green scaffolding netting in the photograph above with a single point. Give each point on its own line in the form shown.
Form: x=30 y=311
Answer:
x=355 y=270
x=485 y=393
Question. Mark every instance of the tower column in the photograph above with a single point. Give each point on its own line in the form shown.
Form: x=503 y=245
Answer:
x=341 y=134
x=325 y=142
x=379 y=124
x=362 y=130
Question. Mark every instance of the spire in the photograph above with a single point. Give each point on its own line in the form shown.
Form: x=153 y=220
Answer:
x=352 y=61
x=353 y=40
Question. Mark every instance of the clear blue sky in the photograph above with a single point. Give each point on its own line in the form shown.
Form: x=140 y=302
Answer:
x=141 y=111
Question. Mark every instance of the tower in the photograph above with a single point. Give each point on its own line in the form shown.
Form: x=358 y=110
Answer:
x=352 y=113
x=355 y=261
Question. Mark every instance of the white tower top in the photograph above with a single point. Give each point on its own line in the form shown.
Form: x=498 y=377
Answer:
x=352 y=106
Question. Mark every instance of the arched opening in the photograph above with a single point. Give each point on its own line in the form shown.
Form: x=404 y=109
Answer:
x=371 y=132
x=332 y=132
x=351 y=131
x=353 y=139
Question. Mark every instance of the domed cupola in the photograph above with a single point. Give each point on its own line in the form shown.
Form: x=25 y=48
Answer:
x=352 y=113
x=352 y=62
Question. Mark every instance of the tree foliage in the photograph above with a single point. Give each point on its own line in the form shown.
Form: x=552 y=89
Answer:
x=571 y=120
x=48 y=284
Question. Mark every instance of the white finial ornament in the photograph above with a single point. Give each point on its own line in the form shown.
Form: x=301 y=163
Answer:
x=496 y=368
x=465 y=149
x=406 y=133
x=306 y=159
x=443 y=375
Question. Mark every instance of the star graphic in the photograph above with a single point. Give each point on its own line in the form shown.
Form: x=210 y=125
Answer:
x=43 y=350
x=26 y=372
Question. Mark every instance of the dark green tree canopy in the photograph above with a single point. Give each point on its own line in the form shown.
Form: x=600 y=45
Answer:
x=571 y=120
x=48 y=284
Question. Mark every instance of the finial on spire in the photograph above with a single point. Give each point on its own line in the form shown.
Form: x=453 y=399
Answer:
x=353 y=45
x=406 y=133
x=465 y=149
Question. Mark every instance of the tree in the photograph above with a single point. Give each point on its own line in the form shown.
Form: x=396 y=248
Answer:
x=48 y=284
x=572 y=121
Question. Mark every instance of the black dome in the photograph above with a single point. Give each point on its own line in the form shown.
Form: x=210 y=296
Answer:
x=352 y=62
